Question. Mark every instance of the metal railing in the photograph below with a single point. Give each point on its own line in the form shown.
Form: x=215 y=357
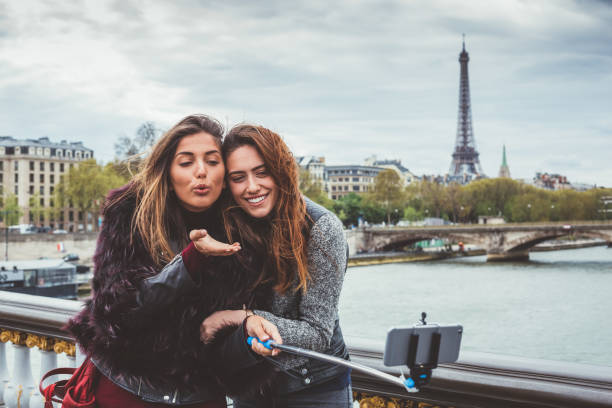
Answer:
x=32 y=324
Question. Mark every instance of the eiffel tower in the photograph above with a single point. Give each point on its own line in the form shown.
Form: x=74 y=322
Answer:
x=465 y=157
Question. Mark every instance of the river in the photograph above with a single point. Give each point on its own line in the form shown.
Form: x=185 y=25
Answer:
x=557 y=306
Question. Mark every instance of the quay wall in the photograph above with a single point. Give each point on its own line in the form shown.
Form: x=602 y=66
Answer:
x=34 y=246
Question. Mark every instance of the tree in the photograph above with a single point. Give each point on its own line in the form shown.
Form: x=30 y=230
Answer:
x=388 y=193
x=313 y=190
x=145 y=137
x=11 y=212
x=349 y=209
x=37 y=210
x=86 y=186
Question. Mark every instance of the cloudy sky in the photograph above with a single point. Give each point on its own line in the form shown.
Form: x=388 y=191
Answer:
x=343 y=79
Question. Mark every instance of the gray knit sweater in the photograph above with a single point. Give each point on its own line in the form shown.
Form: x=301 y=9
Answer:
x=307 y=320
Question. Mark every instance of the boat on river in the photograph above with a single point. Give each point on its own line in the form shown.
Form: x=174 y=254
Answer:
x=42 y=277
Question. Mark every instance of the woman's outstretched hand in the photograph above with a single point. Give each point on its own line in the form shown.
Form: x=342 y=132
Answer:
x=210 y=246
x=257 y=326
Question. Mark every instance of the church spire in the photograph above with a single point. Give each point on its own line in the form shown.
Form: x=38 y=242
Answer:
x=504 y=170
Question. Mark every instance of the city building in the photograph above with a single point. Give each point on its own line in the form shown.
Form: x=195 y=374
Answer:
x=504 y=170
x=396 y=165
x=31 y=168
x=342 y=180
x=551 y=181
x=314 y=165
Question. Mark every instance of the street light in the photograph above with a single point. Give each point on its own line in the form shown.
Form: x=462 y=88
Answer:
x=529 y=212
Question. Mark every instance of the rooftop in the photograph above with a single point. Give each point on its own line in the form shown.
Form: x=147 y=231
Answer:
x=9 y=141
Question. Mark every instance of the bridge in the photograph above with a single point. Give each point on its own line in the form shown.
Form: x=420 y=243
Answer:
x=500 y=241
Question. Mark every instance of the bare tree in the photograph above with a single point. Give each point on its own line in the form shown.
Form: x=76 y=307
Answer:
x=145 y=137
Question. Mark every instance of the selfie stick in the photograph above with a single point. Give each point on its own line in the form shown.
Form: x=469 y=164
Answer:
x=408 y=384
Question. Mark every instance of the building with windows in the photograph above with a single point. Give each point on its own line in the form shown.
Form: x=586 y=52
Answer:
x=314 y=165
x=342 y=180
x=31 y=168
x=396 y=165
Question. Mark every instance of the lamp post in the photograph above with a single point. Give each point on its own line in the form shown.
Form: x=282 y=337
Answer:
x=552 y=209
x=529 y=212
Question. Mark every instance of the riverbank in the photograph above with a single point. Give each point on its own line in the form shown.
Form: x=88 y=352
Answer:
x=433 y=254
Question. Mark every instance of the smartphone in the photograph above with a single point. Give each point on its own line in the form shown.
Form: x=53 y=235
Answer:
x=399 y=339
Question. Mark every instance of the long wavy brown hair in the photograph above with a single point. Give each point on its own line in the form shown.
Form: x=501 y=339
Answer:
x=281 y=238
x=157 y=220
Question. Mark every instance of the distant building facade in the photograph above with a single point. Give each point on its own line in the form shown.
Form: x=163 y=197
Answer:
x=314 y=165
x=342 y=180
x=396 y=165
x=30 y=167
x=551 y=181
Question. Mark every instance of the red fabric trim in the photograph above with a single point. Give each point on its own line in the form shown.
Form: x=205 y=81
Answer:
x=194 y=260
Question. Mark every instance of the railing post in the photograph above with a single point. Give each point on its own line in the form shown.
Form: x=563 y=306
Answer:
x=21 y=386
x=4 y=375
x=48 y=361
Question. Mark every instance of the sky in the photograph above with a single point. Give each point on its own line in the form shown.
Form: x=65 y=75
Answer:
x=345 y=79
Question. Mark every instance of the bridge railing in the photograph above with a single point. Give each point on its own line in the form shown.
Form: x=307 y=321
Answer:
x=586 y=223
x=30 y=329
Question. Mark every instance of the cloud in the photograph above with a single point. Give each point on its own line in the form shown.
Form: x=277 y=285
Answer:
x=345 y=80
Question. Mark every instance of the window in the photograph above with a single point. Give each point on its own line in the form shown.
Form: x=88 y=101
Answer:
x=1 y=178
x=42 y=166
x=31 y=166
x=58 y=152
x=16 y=190
x=31 y=189
x=1 y=165
x=42 y=190
x=16 y=178
x=31 y=177
x=61 y=167
x=16 y=165
x=333 y=188
x=345 y=188
x=52 y=166
x=355 y=178
x=51 y=202
x=51 y=190
x=42 y=201
x=355 y=188
x=52 y=178
x=333 y=197
x=42 y=178
x=70 y=215
x=80 y=215
x=62 y=216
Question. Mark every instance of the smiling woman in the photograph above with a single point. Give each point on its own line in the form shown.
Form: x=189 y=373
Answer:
x=298 y=247
x=251 y=184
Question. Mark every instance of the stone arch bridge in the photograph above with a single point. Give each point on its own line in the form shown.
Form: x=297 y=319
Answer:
x=501 y=241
